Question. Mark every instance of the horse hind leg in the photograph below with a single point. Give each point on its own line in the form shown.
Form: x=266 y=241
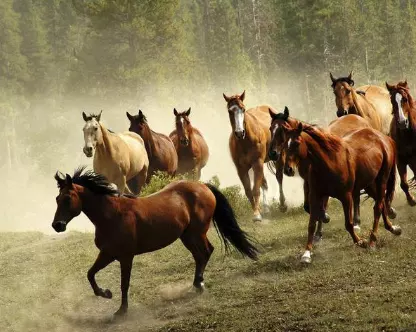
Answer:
x=136 y=183
x=265 y=188
x=402 y=168
x=201 y=249
x=279 y=178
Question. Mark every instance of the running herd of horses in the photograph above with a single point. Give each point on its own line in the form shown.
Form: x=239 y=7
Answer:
x=375 y=131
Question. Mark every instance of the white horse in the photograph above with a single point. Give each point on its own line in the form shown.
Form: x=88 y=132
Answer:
x=121 y=158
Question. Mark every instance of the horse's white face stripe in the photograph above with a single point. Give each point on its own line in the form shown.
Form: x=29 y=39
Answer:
x=274 y=130
x=238 y=118
x=289 y=142
x=399 y=105
x=90 y=133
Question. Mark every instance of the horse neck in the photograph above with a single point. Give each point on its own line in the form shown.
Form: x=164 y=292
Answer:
x=107 y=144
x=249 y=126
x=149 y=142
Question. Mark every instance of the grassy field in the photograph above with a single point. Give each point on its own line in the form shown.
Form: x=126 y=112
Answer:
x=43 y=282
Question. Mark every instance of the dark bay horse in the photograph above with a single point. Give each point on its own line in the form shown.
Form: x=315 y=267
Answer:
x=126 y=226
x=190 y=145
x=341 y=168
x=339 y=127
x=159 y=147
x=403 y=132
x=369 y=101
x=249 y=143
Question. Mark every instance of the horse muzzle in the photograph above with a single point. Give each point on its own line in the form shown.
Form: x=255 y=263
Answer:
x=274 y=155
x=240 y=134
x=289 y=171
x=184 y=141
x=341 y=113
x=88 y=151
x=403 y=124
x=59 y=226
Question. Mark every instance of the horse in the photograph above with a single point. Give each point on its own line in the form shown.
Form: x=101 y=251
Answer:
x=159 y=147
x=339 y=127
x=369 y=101
x=190 y=145
x=249 y=142
x=403 y=132
x=126 y=226
x=121 y=158
x=363 y=159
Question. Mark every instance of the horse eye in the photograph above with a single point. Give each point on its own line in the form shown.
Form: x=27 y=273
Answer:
x=404 y=100
x=347 y=92
x=95 y=129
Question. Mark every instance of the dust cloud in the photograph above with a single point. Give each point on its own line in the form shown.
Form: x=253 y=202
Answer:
x=28 y=198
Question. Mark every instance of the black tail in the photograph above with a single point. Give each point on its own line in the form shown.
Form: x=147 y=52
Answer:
x=227 y=226
x=391 y=185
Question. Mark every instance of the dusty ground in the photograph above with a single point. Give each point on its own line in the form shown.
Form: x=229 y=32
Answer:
x=44 y=287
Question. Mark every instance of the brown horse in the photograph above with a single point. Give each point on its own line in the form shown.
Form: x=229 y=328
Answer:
x=338 y=127
x=159 y=147
x=126 y=226
x=362 y=159
x=403 y=132
x=249 y=143
x=190 y=145
x=369 y=101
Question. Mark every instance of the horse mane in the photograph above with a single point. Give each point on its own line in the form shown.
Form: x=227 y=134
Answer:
x=357 y=106
x=326 y=141
x=95 y=182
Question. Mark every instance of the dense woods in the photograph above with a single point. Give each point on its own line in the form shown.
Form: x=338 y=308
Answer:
x=58 y=53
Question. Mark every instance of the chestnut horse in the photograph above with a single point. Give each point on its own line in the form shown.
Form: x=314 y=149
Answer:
x=369 y=101
x=122 y=158
x=403 y=132
x=338 y=127
x=126 y=226
x=363 y=159
x=159 y=147
x=249 y=143
x=190 y=145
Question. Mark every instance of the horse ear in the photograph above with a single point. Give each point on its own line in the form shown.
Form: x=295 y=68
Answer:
x=272 y=114
x=99 y=116
x=227 y=99
x=68 y=180
x=129 y=116
x=140 y=113
x=286 y=113
x=350 y=75
x=188 y=112
x=299 y=129
x=333 y=79
x=405 y=84
x=243 y=95
x=59 y=179
x=175 y=112
x=84 y=116
x=389 y=87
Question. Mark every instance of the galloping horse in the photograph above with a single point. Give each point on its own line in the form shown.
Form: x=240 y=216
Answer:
x=190 y=145
x=369 y=101
x=121 y=158
x=338 y=127
x=249 y=143
x=362 y=159
x=403 y=132
x=129 y=226
x=159 y=147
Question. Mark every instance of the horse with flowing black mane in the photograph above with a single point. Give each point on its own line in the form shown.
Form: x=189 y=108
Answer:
x=159 y=147
x=249 y=143
x=348 y=165
x=126 y=226
x=190 y=145
x=121 y=158
x=369 y=101
x=403 y=132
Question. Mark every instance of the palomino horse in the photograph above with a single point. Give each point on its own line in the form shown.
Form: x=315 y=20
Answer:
x=159 y=147
x=121 y=158
x=338 y=127
x=403 y=132
x=362 y=159
x=129 y=226
x=369 y=101
x=249 y=143
x=190 y=145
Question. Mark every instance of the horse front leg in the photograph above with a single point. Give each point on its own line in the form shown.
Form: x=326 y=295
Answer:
x=258 y=181
x=279 y=178
x=347 y=203
x=245 y=180
x=356 y=218
x=125 y=266
x=101 y=262
x=402 y=168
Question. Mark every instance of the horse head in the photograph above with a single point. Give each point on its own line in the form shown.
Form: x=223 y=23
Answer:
x=68 y=201
x=294 y=146
x=342 y=88
x=402 y=103
x=92 y=133
x=183 y=126
x=277 y=134
x=236 y=112
x=138 y=123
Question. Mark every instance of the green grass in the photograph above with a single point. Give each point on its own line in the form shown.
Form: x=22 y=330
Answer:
x=43 y=282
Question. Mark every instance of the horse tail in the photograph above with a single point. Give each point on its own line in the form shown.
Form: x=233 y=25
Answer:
x=271 y=165
x=227 y=227
x=391 y=182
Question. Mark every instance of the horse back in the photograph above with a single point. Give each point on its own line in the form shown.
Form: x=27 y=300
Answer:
x=346 y=124
x=135 y=151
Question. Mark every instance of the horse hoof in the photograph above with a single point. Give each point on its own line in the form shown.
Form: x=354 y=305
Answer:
x=372 y=245
x=306 y=208
x=317 y=238
x=257 y=217
x=357 y=228
x=283 y=207
x=326 y=218
x=411 y=202
x=120 y=312
x=396 y=230
x=362 y=243
x=306 y=257
x=200 y=288
x=392 y=213
x=107 y=294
